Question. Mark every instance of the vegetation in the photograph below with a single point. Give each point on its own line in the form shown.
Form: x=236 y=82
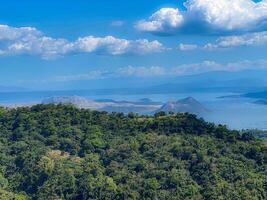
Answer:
x=257 y=133
x=59 y=152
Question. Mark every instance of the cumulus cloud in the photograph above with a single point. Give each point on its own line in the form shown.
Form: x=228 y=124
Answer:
x=114 y=46
x=250 y=39
x=28 y=40
x=209 y=15
x=228 y=14
x=164 y=20
x=187 y=47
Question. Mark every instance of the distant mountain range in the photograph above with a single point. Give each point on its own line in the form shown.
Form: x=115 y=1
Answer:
x=256 y=95
x=142 y=106
x=219 y=81
x=260 y=96
x=260 y=102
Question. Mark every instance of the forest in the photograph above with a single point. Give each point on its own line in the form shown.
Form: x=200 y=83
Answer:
x=60 y=152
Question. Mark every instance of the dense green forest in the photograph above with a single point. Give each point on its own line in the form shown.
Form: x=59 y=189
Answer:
x=59 y=152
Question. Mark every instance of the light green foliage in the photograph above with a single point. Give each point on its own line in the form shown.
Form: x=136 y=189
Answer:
x=2 y=111
x=3 y=182
x=5 y=195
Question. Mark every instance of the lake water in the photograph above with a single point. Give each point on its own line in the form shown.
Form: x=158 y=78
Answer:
x=236 y=113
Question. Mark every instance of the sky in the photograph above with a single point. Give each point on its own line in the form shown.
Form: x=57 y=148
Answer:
x=80 y=44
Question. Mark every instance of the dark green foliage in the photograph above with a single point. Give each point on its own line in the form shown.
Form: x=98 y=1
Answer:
x=58 y=152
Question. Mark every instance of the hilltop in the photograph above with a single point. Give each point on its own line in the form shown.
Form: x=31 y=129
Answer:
x=62 y=152
x=188 y=104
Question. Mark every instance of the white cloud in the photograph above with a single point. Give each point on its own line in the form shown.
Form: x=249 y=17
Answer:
x=28 y=40
x=93 y=75
x=109 y=45
x=229 y=14
x=190 y=69
x=157 y=71
x=187 y=47
x=208 y=66
x=114 y=46
x=210 y=15
x=143 y=46
x=128 y=71
x=164 y=20
x=12 y=33
x=250 y=39
x=196 y=68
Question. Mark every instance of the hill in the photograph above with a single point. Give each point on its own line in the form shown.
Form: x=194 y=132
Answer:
x=62 y=152
x=260 y=102
x=188 y=104
x=257 y=95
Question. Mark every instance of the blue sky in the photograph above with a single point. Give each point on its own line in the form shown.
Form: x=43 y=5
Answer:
x=99 y=44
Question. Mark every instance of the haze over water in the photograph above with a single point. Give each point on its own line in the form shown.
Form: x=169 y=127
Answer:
x=236 y=113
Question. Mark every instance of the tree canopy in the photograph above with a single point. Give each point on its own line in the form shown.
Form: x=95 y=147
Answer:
x=59 y=152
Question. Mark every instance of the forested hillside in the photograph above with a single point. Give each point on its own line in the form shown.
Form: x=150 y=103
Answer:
x=59 y=152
